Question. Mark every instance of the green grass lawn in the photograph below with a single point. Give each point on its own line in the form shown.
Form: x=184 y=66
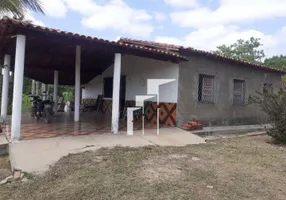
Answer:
x=237 y=168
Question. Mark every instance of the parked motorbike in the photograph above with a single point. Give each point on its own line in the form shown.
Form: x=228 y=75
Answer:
x=41 y=108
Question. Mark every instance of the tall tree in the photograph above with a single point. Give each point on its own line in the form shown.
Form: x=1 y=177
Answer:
x=276 y=61
x=248 y=50
x=18 y=7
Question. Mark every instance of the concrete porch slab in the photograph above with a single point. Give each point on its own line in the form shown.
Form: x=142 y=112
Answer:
x=35 y=156
x=63 y=125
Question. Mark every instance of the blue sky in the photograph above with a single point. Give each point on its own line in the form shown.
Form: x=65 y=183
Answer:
x=202 y=24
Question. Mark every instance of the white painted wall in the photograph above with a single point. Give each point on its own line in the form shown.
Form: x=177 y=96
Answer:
x=137 y=70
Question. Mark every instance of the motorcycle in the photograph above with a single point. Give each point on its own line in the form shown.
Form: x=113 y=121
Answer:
x=41 y=108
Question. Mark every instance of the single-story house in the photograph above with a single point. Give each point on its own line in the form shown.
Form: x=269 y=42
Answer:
x=212 y=87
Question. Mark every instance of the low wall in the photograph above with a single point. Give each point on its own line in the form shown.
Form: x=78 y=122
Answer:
x=167 y=114
x=88 y=101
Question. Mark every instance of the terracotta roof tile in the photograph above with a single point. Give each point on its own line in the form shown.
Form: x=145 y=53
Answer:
x=163 y=46
x=238 y=61
x=176 y=49
x=27 y=24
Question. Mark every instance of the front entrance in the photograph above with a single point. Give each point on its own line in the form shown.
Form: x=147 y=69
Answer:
x=108 y=91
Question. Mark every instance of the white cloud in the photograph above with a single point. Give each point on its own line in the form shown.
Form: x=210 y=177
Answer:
x=160 y=16
x=84 y=7
x=55 y=8
x=182 y=3
x=214 y=27
x=30 y=17
x=169 y=40
x=275 y=44
x=229 y=12
x=210 y=38
x=114 y=15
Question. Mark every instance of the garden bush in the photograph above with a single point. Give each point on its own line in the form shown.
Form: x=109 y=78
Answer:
x=273 y=103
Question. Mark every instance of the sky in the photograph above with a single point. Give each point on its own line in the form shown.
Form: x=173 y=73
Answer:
x=201 y=24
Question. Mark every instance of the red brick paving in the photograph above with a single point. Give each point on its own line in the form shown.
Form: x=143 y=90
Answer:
x=63 y=125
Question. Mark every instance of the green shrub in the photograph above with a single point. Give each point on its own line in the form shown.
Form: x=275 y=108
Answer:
x=273 y=103
x=68 y=96
x=26 y=103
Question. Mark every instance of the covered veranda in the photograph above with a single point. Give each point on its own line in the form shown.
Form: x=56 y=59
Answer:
x=62 y=58
x=63 y=125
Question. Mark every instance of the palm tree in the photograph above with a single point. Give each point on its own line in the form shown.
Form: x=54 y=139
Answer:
x=18 y=7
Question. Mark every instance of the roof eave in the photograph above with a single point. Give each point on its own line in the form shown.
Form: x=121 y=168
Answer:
x=185 y=51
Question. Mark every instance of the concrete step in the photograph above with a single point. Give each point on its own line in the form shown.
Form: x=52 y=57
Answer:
x=223 y=130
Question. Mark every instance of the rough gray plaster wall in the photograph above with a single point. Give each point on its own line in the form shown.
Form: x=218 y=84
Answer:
x=222 y=112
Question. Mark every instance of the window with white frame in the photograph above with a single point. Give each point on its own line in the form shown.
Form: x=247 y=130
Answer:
x=238 y=91
x=206 y=89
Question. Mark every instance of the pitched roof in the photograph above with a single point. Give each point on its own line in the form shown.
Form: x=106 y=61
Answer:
x=187 y=50
x=158 y=45
x=163 y=49
x=50 y=49
x=9 y=22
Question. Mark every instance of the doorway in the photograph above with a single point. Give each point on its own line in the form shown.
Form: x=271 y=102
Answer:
x=122 y=96
x=108 y=90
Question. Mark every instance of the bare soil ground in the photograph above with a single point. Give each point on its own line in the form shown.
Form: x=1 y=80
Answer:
x=4 y=167
x=236 y=168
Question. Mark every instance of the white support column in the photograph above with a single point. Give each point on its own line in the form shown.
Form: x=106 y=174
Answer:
x=116 y=93
x=18 y=87
x=5 y=86
x=37 y=88
x=77 y=84
x=56 y=84
x=44 y=89
x=33 y=87
x=48 y=91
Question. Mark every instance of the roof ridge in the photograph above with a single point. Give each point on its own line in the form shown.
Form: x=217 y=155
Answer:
x=207 y=53
x=126 y=39
x=168 y=49
x=261 y=65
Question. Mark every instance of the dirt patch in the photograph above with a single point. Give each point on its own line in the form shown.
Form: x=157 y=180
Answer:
x=161 y=168
x=170 y=167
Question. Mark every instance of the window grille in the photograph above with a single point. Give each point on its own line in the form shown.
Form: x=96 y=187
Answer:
x=238 y=91
x=206 y=89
